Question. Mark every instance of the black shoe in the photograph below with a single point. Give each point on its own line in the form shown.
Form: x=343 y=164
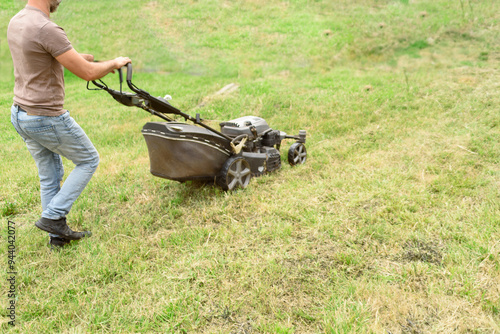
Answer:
x=60 y=228
x=57 y=242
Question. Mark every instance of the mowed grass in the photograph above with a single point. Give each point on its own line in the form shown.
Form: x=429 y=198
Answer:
x=392 y=225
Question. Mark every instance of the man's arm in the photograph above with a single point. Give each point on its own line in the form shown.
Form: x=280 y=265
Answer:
x=87 y=70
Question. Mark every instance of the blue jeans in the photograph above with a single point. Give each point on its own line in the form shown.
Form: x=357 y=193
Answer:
x=48 y=138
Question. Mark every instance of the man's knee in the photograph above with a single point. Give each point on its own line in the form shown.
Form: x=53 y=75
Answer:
x=94 y=162
x=90 y=162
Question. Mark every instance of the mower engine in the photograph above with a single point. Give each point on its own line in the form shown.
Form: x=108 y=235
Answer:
x=262 y=147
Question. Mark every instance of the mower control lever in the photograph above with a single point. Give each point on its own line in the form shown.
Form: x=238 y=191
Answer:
x=120 y=74
x=129 y=72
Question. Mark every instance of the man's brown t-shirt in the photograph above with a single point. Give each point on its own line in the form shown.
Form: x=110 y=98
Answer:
x=34 y=42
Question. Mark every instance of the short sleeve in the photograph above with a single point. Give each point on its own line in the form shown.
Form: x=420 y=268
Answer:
x=54 y=40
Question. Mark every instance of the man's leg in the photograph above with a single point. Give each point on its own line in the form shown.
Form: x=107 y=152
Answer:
x=49 y=164
x=63 y=136
x=77 y=147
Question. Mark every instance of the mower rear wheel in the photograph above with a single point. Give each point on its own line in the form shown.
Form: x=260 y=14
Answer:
x=297 y=154
x=234 y=173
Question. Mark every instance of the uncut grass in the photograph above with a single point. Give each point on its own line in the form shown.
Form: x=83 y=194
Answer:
x=392 y=224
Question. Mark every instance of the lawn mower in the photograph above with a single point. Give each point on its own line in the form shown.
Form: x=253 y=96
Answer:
x=243 y=148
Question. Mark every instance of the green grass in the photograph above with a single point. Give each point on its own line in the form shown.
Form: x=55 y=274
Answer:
x=392 y=225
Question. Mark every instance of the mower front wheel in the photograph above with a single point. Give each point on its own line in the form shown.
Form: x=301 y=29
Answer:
x=297 y=154
x=234 y=173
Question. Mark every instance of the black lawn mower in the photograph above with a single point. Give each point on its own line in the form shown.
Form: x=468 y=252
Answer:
x=243 y=148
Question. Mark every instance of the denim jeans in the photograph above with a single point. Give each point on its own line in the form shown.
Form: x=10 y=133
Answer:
x=48 y=138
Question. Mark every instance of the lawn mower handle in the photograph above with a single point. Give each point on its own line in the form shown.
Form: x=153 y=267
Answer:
x=162 y=106
x=157 y=103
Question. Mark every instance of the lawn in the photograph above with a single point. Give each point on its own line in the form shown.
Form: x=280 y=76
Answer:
x=391 y=226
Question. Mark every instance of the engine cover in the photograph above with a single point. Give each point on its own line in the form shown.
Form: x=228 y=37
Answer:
x=244 y=126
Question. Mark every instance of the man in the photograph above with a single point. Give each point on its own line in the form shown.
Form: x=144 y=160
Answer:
x=40 y=49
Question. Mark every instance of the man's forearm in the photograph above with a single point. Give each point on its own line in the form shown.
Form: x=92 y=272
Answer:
x=100 y=69
x=87 y=70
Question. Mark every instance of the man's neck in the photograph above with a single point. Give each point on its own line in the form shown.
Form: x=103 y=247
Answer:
x=43 y=5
